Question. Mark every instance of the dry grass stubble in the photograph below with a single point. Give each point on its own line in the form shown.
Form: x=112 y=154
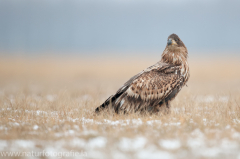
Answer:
x=50 y=103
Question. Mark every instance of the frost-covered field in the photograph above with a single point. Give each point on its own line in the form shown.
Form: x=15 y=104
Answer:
x=47 y=112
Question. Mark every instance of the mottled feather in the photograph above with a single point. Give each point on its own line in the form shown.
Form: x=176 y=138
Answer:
x=155 y=86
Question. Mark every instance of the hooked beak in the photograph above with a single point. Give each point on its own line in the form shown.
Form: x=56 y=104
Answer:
x=169 y=42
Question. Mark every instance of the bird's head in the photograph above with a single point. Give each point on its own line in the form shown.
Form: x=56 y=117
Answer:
x=175 y=50
x=174 y=43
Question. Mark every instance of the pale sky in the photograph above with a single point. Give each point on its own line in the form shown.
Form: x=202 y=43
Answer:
x=133 y=25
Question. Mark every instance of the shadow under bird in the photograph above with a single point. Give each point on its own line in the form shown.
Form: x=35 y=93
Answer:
x=153 y=89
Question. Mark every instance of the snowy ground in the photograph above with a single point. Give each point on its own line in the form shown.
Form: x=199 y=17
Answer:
x=89 y=143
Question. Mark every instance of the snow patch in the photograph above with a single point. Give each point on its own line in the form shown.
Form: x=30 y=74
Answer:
x=35 y=127
x=23 y=143
x=152 y=152
x=98 y=142
x=127 y=144
x=3 y=145
x=170 y=144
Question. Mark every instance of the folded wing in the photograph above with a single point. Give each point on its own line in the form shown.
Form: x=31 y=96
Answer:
x=146 y=89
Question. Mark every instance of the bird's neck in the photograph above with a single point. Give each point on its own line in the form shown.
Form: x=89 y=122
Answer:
x=174 y=56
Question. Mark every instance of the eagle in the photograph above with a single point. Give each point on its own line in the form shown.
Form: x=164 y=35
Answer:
x=152 y=90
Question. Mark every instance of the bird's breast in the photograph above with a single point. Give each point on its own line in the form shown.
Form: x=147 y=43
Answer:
x=185 y=71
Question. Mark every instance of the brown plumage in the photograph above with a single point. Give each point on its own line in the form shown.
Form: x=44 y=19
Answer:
x=153 y=88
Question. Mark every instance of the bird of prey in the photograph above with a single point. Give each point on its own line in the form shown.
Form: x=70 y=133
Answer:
x=153 y=89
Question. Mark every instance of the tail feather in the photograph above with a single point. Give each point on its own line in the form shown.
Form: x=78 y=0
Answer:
x=110 y=101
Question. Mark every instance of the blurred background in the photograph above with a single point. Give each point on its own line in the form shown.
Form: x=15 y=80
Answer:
x=83 y=41
x=110 y=27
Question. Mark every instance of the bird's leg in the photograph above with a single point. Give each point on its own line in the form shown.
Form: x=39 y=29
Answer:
x=163 y=107
x=167 y=103
x=158 y=108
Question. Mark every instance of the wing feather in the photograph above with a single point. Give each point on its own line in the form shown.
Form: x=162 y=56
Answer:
x=146 y=88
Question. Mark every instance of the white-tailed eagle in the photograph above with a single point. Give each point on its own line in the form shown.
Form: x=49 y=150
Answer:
x=153 y=88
